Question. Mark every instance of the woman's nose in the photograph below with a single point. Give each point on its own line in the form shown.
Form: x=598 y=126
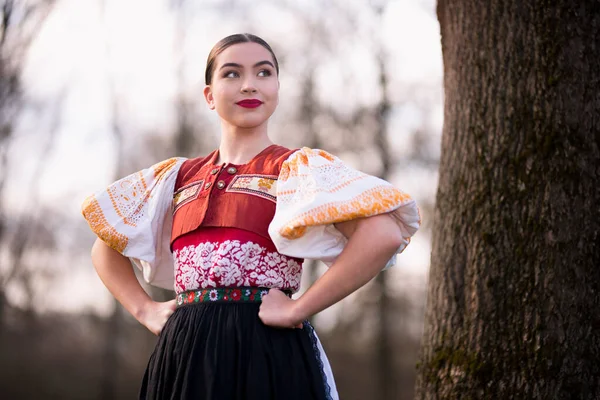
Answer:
x=248 y=86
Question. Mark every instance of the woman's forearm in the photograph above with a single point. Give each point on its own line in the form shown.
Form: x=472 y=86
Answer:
x=372 y=243
x=116 y=271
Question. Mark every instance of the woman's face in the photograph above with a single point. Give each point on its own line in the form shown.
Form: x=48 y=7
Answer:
x=245 y=88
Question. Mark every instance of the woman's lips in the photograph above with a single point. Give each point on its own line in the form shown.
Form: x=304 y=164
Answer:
x=250 y=103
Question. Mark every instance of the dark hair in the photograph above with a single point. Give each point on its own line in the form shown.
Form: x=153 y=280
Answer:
x=230 y=41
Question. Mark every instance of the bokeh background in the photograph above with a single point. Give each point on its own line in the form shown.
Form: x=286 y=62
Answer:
x=92 y=90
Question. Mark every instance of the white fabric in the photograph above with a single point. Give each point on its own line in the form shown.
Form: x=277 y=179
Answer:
x=134 y=216
x=327 y=369
x=316 y=190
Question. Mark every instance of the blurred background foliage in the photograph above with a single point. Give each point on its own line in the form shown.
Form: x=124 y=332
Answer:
x=94 y=90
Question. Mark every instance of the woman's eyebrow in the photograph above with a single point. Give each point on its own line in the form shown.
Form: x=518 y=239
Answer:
x=258 y=64
x=265 y=62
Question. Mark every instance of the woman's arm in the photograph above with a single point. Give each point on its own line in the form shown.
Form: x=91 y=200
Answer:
x=116 y=272
x=372 y=242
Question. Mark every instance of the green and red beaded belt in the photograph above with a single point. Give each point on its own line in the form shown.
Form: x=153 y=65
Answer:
x=224 y=295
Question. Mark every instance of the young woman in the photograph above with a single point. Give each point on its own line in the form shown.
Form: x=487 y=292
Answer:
x=229 y=231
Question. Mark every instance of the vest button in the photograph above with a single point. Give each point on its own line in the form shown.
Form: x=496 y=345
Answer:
x=232 y=170
x=214 y=171
x=207 y=185
x=220 y=184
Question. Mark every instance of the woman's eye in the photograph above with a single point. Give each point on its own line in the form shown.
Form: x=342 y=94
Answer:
x=264 y=72
x=231 y=74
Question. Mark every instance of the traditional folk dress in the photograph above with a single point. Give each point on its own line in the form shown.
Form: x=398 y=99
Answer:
x=221 y=236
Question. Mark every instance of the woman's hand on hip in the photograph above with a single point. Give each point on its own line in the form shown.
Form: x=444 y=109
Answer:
x=155 y=314
x=279 y=311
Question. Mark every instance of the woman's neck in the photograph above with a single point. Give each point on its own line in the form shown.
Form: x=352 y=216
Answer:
x=239 y=146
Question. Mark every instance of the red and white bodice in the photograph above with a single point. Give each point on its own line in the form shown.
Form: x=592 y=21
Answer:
x=232 y=257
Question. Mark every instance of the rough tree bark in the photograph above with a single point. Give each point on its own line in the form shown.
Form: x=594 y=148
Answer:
x=513 y=304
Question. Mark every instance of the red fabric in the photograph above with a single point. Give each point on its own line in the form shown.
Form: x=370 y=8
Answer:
x=232 y=257
x=215 y=207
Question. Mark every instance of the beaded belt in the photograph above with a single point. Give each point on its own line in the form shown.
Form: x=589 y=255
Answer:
x=224 y=295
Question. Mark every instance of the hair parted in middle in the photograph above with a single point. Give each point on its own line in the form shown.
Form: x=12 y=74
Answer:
x=230 y=41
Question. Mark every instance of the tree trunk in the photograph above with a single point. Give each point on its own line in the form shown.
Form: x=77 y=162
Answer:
x=513 y=304
x=384 y=353
x=308 y=115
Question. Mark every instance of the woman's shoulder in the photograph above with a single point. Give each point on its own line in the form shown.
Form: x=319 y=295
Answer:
x=278 y=152
x=270 y=159
x=192 y=165
x=300 y=154
x=200 y=160
x=307 y=157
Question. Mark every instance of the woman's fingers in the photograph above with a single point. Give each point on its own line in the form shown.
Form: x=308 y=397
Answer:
x=159 y=314
x=277 y=310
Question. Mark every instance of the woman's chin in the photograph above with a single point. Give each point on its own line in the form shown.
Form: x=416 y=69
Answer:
x=248 y=123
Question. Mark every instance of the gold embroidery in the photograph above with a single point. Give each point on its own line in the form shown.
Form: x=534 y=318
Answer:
x=93 y=214
x=264 y=186
x=300 y=159
x=187 y=193
x=282 y=194
x=161 y=169
x=323 y=154
x=128 y=196
x=374 y=201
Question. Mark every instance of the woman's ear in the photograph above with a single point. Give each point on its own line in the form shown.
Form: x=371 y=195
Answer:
x=208 y=95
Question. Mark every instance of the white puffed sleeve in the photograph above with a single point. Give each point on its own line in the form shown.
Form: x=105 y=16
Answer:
x=316 y=190
x=134 y=216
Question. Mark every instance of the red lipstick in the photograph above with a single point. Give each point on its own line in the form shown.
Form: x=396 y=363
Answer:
x=249 y=103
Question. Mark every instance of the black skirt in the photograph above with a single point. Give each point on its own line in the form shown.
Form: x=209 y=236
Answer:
x=223 y=351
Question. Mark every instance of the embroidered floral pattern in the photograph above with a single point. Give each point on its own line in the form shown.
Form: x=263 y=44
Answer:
x=264 y=186
x=186 y=194
x=124 y=204
x=106 y=232
x=330 y=176
x=233 y=264
x=162 y=168
x=250 y=294
x=128 y=197
x=375 y=201
x=317 y=189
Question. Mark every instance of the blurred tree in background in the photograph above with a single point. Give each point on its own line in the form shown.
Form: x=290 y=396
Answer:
x=341 y=91
x=513 y=298
x=20 y=24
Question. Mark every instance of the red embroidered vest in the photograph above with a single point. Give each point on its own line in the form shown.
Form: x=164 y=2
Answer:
x=228 y=195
